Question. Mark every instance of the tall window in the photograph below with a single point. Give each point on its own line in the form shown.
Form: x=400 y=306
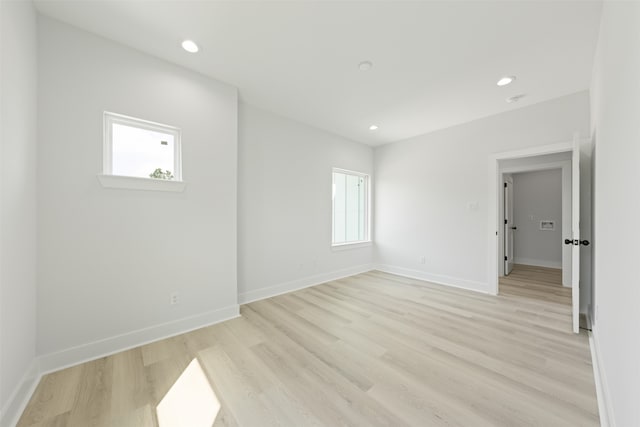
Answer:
x=139 y=148
x=350 y=207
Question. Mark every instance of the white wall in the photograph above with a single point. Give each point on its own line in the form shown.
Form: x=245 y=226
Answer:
x=431 y=192
x=615 y=101
x=284 y=208
x=17 y=204
x=538 y=195
x=109 y=259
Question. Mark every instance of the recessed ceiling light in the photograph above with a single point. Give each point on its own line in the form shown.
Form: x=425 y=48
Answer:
x=506 y=80
x=190 y=46
x=515 y=98
x=365 y=65
x=373 y=127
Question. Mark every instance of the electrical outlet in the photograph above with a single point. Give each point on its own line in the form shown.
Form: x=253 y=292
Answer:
x=175 y=298
x=422 y=259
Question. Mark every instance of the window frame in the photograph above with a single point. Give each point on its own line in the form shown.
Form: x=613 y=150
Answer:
x=110 y=118
x=367 y=210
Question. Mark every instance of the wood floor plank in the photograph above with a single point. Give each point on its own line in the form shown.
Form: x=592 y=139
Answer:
x=55 y=395
x=372 y=349
x=93 y=398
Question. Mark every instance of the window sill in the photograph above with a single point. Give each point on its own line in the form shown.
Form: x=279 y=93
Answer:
x=347 y=246
x=135 y=183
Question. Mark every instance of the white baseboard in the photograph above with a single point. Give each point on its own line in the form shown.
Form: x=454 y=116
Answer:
x=602 y=389
x=538 y=262
x=105 y=347
x=305 y=282
x=435 y=278
x=13 y=408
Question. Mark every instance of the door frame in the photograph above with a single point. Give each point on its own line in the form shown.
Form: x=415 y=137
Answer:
x=495 y=186
x=565 y=167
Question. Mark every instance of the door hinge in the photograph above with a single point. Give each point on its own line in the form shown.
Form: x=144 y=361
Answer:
x=505 y=221
x=505 y=185
x=505 y=258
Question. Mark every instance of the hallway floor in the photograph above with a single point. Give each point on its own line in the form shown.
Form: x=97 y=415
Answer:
x=539 y=283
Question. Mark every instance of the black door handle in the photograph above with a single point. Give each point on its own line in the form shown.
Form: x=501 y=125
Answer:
x=514 y=228
x=576 y=242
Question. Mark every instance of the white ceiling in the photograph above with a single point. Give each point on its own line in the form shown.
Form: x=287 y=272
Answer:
x=435 y=63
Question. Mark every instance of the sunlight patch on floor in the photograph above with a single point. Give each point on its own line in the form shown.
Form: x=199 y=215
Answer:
x=190 y=402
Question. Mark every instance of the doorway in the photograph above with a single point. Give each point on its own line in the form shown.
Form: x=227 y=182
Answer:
x=537 y=214
x=534 y=159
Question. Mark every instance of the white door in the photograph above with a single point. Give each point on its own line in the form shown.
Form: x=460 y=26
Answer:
x=509 y=227
x=575 y=231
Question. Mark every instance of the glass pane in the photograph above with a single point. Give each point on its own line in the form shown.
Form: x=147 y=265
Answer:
x=339 y=223
x=139 y=152
x=361 y=209
x=349 y=208
x=353 y=207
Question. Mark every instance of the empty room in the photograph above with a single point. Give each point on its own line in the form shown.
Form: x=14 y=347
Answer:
x=319 y=213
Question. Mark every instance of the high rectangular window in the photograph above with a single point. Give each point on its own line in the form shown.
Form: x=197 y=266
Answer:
x=350 y=207
x=140 y=148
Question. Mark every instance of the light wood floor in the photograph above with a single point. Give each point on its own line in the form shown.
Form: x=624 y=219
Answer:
x=373 y=349
x=536 y=283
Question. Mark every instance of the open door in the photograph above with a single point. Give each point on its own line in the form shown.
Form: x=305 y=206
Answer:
x=509 y=227
x=575 y=230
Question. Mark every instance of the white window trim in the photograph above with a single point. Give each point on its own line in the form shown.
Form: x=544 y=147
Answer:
x=108 y=180
x=367 y=213
x=351 y=245
x=137 y=183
